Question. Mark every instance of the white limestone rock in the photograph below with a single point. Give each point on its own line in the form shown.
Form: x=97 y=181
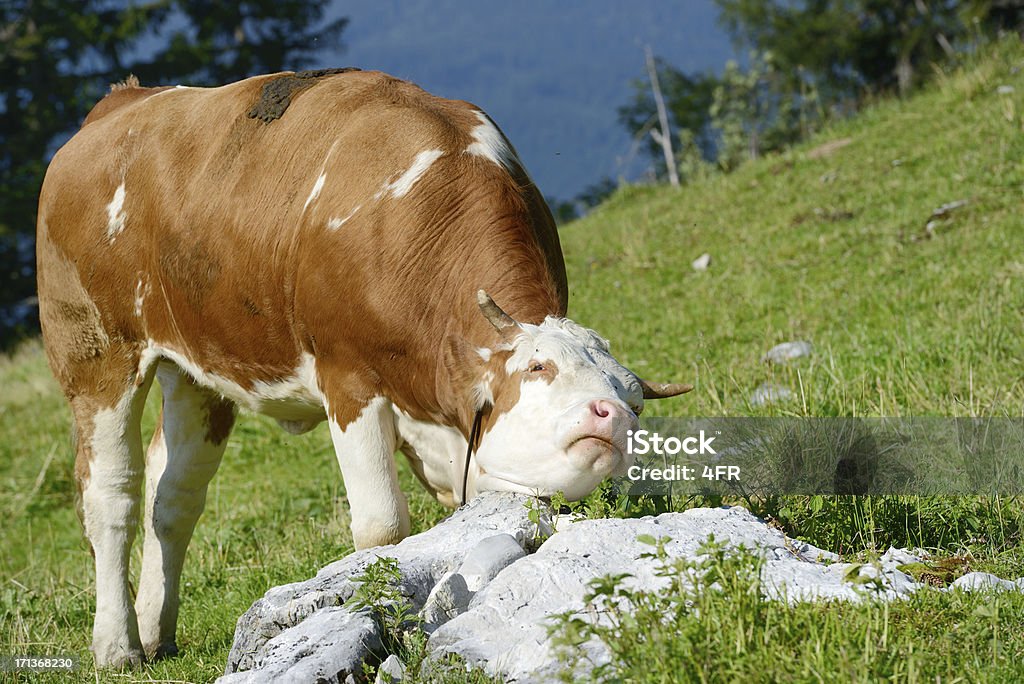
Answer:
x=701 y=263
x=787 y=351
x=485 y=598
x=770 y=393
x=391 y=671
x=973 y=581
x=452 y=593
x=329 y=646
x=504 y=630
x=449 y=598
x=488 y=558
x=423 y=559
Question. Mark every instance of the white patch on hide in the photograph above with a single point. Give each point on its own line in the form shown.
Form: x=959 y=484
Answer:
x=365 y=449
x=141 y=291
x=295 y=397
x=320 y=179
x=483 y=395
x=489 y=143
x=336 y=223
x=315 y=192
x=401 y=187
x=110 y=505
x=179 y=464
x=116 y=216
x=438 y=452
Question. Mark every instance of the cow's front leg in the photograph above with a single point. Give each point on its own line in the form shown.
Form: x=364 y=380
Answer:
x=364 y=442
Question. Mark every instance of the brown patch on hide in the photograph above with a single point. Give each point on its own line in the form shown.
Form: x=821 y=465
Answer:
x=508 y=388
x=547 y=373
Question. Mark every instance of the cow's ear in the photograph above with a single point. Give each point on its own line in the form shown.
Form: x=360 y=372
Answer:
x=467 y=368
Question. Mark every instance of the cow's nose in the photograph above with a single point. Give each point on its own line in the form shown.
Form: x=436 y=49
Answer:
x=604 y=410
x=611 y=417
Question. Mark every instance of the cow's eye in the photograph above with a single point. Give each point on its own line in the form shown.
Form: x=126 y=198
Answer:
x=637 y=410
x=537 y=368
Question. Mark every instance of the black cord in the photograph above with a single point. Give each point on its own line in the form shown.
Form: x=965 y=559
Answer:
x=474 y=436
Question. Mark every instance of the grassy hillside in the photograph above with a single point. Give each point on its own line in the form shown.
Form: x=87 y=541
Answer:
x=828 y=246
x=832 y=248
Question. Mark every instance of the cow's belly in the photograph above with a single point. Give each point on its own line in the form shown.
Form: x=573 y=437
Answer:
x=293 y=400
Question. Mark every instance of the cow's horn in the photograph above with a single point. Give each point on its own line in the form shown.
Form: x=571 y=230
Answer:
x=501 y=321
x=661 y=390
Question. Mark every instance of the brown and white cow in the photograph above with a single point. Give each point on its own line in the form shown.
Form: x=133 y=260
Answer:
x=309 y=246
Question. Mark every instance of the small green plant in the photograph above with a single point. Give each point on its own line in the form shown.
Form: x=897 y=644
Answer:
x=604 y=502
x=756 y=110
x=535 y=514
x=379 y=590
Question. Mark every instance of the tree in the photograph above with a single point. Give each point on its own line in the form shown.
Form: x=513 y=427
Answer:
x=754 y=111
x=848 y=46
x=1002 y=15
x=563 y=211
x=58 y=56
x=595 y=193
x=809 y=59
x=227 y=41
x=688 y=98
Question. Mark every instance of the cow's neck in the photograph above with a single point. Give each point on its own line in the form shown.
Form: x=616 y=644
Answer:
x=529 y=292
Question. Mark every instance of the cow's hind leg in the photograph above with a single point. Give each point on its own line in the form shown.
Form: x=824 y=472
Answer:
x=183 y=456
x=109 y=470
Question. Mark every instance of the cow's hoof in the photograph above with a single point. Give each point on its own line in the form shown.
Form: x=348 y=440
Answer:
x=118 y=656
x=167 y=649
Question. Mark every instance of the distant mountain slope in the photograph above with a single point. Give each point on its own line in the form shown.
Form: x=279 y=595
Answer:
x=551 y=73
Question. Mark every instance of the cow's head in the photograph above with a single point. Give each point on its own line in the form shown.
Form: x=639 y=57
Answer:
x=558 y=407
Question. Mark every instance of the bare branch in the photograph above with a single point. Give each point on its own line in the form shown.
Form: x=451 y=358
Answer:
x=665 y=135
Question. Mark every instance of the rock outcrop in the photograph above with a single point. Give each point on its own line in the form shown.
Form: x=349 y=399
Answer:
x=485 y=588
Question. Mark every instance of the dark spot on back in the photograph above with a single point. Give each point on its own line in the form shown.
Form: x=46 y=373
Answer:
x=278 y=93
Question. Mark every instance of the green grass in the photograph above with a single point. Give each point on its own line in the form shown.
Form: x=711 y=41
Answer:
x=833 y=250
x=717 y=628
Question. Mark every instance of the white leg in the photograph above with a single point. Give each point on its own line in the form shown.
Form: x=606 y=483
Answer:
x=182 y=458
x=110 y=513
x=365 y=450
